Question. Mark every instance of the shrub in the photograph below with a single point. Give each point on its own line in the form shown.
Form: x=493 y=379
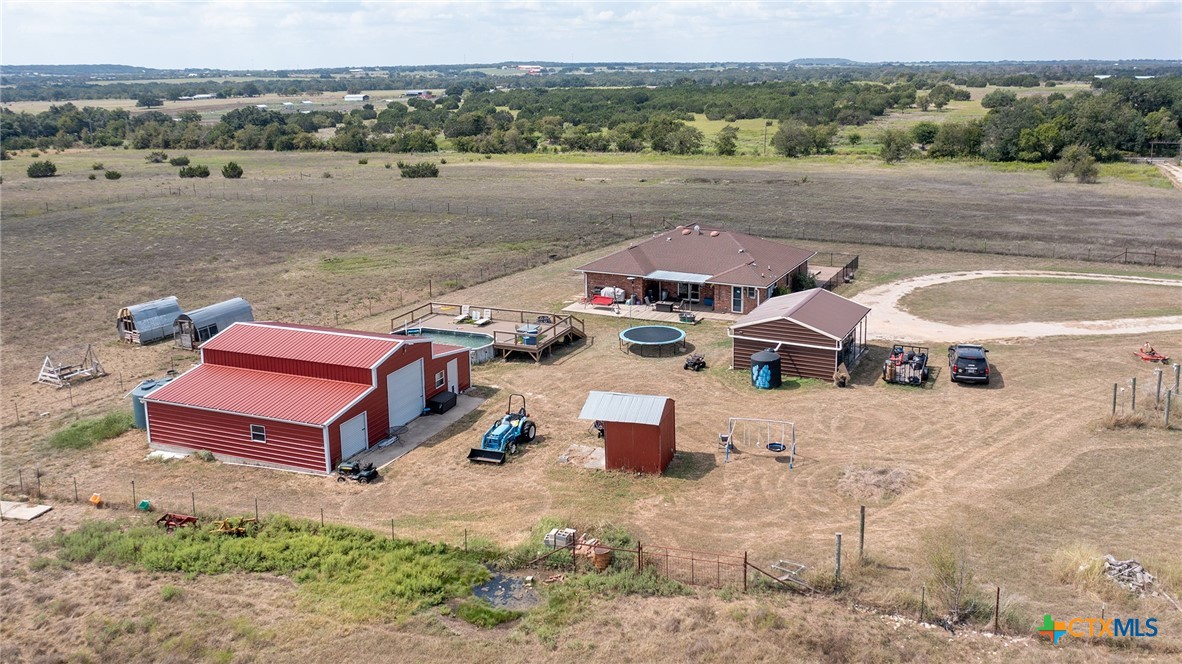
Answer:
x=90 y=177
x=205 y=455
x=157 y=157
x=112 y=175
x=1059 y=170
x=854 y=138
x=41 y=169
x=423 y=169
x=389 y=165
x=951 y=575
x=803 y=281
x=96 y=166
x=179 y=161
x=326 y=175
x=34 y=154
x=85 y=433
x=170 y=592
x=195 y=172
x=443 y=161
x=363 y=161
x=232 y=171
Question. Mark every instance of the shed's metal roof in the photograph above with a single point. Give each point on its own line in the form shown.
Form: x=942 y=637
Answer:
x=620 y=407
x=153 y=320
x=223 y=313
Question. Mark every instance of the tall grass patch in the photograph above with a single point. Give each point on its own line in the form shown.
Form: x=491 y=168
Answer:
x=85 y=433
x=351 y=572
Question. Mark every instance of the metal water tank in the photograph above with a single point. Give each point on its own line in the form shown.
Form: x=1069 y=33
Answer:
x=139 y=409
x=765 y=369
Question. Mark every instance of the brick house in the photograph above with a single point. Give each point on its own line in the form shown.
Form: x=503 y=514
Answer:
x=717 y=270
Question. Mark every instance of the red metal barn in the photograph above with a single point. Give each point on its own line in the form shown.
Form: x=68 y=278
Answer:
x=300 y=397
x=639 y=430
x=812 y=331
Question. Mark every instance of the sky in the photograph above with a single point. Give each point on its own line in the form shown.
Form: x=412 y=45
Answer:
x=245 y=34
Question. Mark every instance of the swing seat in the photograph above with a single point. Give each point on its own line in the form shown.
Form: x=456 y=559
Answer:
x=724 y=442
x=775 y=447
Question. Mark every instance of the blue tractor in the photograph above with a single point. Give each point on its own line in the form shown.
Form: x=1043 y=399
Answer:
x=502 y=437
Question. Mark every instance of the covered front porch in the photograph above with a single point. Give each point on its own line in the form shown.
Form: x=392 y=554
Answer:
x=649 y=312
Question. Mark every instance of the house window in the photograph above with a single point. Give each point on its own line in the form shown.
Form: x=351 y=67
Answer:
x=440 y=379
x=750 y=293
x=258 y=433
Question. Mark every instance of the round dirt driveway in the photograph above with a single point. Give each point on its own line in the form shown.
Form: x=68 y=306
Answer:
x=892 y=323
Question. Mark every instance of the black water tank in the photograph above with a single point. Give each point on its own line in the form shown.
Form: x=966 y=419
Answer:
x=765 y=369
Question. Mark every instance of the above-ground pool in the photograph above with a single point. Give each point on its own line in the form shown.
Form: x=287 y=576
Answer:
x=653 y=335
x=480 y=343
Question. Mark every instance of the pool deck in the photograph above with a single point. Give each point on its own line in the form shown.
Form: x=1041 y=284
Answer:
x=502 y=326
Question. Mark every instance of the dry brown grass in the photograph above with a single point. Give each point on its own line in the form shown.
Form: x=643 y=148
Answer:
x=1019 y=466
x=877 y=483
x=1020 y=300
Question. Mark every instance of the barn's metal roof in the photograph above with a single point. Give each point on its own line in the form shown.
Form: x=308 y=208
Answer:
x=310 y=344
x=222 y=313
x=153 y=320
x=263 y=394
x=620 y=407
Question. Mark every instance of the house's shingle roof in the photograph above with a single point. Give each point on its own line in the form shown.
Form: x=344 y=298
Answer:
x=729 y=257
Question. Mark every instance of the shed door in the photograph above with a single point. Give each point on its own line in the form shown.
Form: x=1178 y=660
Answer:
x=404 y=389
x=354 y=436
x=453 y=376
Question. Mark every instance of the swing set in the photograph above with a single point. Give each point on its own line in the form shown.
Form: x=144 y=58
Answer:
x=777 y=436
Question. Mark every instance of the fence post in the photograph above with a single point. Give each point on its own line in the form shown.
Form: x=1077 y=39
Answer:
x=1169 y=406
x=193 y=498
x=861 y=533
x=256 y=509
x=75 y=488
x=1176 y=376
x=744 y=572
x=923 y=590
x=20 y=475
x=1114 y=399
x=1157 y=398
x=1133 y=407
x=133 y=494
x=639 y=557
x=37 y=471
x=321 y=517
x=465 y=539
x=391 y=529
x=837 y=566
x=996 y=608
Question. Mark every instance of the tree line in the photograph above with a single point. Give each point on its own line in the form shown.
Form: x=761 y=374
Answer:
x=1120 y=116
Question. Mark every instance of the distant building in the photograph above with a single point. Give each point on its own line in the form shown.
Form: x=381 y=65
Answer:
x=356 y=97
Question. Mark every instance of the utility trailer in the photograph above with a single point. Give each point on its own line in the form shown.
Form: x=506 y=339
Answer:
x=907 y=365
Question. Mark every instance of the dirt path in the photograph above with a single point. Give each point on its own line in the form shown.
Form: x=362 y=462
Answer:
x=1172 y=171
x=889 y=321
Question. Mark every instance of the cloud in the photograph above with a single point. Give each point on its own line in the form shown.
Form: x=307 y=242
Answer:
x=255 y=33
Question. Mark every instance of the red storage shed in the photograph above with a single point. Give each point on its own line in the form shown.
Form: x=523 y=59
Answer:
x=300 y=397
x=639 y=430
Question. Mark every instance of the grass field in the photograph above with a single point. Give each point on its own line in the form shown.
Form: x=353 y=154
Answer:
x=1016 y=300
x=1022 y=470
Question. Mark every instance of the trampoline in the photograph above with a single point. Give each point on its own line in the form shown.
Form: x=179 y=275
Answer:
x=658 y=336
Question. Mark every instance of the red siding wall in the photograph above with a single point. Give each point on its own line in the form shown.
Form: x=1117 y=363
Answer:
x=280 y=365
x=290 y=445
x=376 y=403
x=641 y=447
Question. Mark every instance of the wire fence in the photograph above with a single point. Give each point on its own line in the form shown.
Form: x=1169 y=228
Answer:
x=633 y=223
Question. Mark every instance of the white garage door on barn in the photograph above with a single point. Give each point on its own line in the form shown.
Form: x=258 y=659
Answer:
x=354 y=436
x=405 y=392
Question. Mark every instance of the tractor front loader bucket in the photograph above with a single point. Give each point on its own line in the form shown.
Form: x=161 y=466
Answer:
x=486 y=456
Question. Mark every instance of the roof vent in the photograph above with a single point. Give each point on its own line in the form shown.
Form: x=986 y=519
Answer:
x=741 y=250
x=669 y=239
x=769 y=268
x=713 y=233
x=697 y=229
x=686 y=231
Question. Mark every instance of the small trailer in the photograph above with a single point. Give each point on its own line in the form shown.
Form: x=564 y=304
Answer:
x=907 y=365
